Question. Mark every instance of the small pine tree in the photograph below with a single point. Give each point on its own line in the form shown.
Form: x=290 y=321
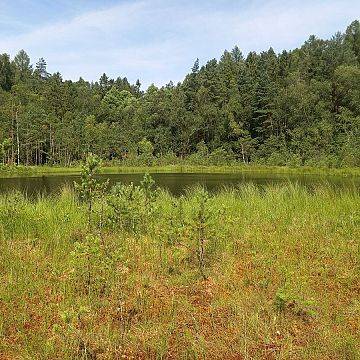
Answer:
x=89 y=188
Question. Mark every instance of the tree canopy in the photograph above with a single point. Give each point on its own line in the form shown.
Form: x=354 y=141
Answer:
x=298 y=107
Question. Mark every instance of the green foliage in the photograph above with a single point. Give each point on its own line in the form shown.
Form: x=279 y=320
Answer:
x=89 y=188
x=90 y=260
x=4 y=147
x=145 y=151
x=176 y=225
x=145 y=148
x=147 y=185
x=91 y=265
x=200 y=225
x=220 y=157
x=285 y=302
x=132 y=207
x=202 y=229
x=296 y=108
x=70 y=330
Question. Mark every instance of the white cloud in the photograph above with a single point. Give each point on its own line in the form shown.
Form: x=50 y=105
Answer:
x=159 y=40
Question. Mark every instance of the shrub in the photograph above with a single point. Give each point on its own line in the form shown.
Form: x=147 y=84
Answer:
x=145 y=151
x=132 y=206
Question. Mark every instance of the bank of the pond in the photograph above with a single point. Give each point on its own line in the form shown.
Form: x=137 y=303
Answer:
x=17 y=171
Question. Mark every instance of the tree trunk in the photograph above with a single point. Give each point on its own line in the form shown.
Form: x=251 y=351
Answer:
x=243 y=153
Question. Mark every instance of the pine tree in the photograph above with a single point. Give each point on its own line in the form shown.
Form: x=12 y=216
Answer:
x=352 y=37
x=105 y=84
x=6 y=73
x=195 y=68
x=40 y=69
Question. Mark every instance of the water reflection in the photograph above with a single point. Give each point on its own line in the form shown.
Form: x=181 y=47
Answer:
x=178 y=183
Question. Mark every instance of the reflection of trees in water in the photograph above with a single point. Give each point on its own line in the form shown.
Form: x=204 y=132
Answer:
x=178 y=183
x=45 y=188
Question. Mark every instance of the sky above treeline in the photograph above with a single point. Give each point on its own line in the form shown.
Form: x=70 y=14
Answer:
x=159 y=40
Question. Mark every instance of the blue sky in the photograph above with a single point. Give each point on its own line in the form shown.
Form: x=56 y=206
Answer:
x=159 y=40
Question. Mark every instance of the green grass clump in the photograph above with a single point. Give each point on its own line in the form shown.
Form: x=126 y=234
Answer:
x=277 y=276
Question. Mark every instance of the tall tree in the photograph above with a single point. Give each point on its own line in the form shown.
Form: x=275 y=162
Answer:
x=23 y=68
x=40 y=69
x=6 y=72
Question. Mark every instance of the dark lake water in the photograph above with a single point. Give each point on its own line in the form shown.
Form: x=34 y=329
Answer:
x=177 y=183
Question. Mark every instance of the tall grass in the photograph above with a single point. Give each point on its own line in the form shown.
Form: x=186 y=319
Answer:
x=282 y=278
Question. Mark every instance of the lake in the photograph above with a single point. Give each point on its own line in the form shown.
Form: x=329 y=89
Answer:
x=177 y=183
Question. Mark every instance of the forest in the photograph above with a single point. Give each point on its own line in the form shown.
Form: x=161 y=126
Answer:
x=298 y=107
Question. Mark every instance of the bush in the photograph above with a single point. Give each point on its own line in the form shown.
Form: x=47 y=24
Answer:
x=145 y=151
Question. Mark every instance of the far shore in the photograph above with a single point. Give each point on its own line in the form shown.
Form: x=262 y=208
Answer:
x=19 y=171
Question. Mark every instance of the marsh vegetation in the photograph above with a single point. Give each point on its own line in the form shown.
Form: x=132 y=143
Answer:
x=134 y=272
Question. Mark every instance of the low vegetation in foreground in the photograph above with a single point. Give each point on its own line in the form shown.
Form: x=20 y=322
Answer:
x=134 y=272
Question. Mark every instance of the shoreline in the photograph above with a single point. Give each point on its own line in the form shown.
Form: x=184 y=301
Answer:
x=36 y=171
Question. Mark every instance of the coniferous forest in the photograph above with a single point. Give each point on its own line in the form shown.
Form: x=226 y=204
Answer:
x=298 y=107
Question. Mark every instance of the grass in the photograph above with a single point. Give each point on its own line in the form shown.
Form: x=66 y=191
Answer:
x=16 y=171
x=282 y=266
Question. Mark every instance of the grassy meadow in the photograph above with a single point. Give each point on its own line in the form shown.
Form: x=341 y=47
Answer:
x=247 y=273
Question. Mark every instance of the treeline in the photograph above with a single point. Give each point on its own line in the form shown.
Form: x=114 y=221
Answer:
x=300 y=107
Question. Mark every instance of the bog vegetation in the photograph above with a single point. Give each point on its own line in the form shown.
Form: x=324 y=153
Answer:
x=299 y=107
x=133 y=272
